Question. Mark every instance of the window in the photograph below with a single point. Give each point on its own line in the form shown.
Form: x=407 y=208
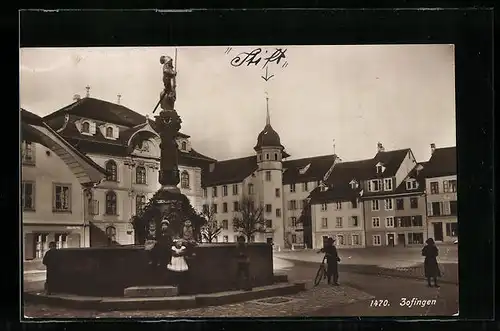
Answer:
x=184 y=146
x=388 y=184
x=324 y=206
x=236 y=206
x=60 y=239
x=269 y=208
x=376 y=240
x=111 y=170
x=205 y=209
x=354 y=221
x=269 y=224
x=214 y=191
x=277 y=193
x=225 y=239
x=294 y=221
x=400 y=204
x=94 y=207
x=292 y=188
x=294 y=238
x=416 y=238
x=267 y=156
x=140 y=202
x=275 y=156
x=435 y=209
x=324 y=222
x=224 y=207
x=413 y=203
x=268 y=176
x=434 y=187
x=111 y=233
x=375 y=205
x=224 y=191
x=453 y=207
x=416 y=220
x=304 y=187
x=110 y=203
x=205 y=192
x=452 y=186
x=389 y=222
x=41 y=244
x=355 y=239
x=380 y=169
x=338 y=222
x=354 y=204
x=374 y=185
x=109 y=132
x=411 y=184
x=28 y=152
x=340 y=239
x=278 y=212
x=388 y=204
x=85 y=127
x=250 y=189
x=376 y=222
x=184 y=179
x=292 y=205
x=214 y=208
x=338 y=205
x=235 y=189
x=452 y=229
x=62 y=197
x=140 y=176
x=354 y=184
x=28 y=195
x=225 y=224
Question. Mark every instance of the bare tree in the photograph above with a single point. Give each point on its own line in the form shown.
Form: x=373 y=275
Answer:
x=249 y=219
x=211 y=229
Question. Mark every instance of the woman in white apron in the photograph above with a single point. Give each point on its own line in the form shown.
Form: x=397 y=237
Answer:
x=178 y=265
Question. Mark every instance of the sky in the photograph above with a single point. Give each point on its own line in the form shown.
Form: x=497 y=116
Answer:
x=322 y=99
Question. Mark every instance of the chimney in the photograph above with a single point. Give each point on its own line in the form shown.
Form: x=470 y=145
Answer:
x=380 y=147
x=433 y=148
x=88 y=91
x=211 y=167
x=119 y=98
x=76 y=97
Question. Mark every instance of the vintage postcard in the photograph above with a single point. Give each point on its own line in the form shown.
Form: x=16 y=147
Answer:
x=239 y=181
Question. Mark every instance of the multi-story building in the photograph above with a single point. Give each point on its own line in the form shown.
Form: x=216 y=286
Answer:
x=279 y=187
x=391 y=184
x=54 y=179
x=336 y=206
x=441 y=186
x=126 y=144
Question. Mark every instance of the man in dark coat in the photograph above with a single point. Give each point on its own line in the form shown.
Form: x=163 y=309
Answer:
x=48 y=261
x=332 y=259
x=243 y=265
x=431 y=267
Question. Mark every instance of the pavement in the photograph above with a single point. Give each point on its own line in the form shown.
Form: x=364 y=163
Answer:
x=352 y=298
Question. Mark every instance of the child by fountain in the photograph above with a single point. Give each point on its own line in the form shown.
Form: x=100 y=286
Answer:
x=178 y=265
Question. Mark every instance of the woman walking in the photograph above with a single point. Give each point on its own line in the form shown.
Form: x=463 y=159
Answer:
x=431 y=267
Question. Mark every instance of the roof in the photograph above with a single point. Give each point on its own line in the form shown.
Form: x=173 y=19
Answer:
x=268 y=137
x=391 y=160
x=338 y=183
x=318 y=166
x=229 y=171
x=417 y=174
x=443 y=162
x=35 y=128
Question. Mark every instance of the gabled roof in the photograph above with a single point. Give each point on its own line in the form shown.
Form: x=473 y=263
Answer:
x=338 y=183
x=391 y=160
x=229 y=171
x=417 y=175
x=443 y=162
x=319 y=166
x=34 y=128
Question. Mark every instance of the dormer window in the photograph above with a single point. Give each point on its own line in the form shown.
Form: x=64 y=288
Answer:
x=109 y=132
x=380 y=168
x=183 y=146
x=354 y=184
x=411 y=184
x=388 y=184
x=304 y=170
x=375 y=185
x=86 y=127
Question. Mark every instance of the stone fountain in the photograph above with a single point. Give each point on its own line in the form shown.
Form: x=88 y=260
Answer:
x=125 y=272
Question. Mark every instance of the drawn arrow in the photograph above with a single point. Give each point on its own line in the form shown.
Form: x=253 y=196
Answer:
x=267 y=77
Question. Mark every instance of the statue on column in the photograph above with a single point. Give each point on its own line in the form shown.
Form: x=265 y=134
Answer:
x=168 y=95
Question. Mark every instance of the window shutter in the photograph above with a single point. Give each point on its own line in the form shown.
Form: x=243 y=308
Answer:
x=446 y=208
x=73 y=240
x=116 y=133
x=441 y=208
x=92 y=128
x=369 y=186
x=429 y=209
x=29 y=246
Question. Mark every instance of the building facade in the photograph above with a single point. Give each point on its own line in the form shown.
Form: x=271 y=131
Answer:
x=126 y=144
x=441 y=188
x=55 y=178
